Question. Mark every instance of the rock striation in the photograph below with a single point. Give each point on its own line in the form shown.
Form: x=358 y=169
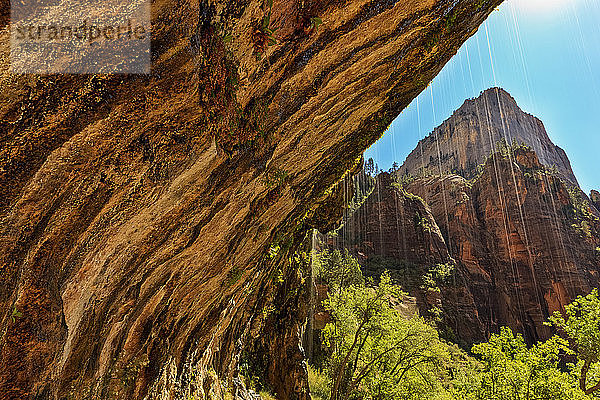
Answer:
x=397 y=231
x=150 y=225
x=525 y=240
x=393 y=224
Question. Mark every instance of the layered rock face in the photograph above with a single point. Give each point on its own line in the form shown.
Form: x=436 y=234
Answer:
x=525 y=240
x=522 y=241
x=473 y=132
x=148 y=224
x=393 y=224
x=523 y=236
x=396 y=230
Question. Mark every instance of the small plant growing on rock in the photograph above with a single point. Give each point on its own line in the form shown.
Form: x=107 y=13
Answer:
x=227 y=38
x=264 y=395
x=233 y=276
x=438 y=274
x=276 y=178
x=263 y=35
x=15 y=314
x=273 y=251
x=422 y=223
x=268 y=310
x=312 y=25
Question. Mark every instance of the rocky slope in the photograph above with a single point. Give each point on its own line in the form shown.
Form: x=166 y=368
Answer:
x=149 y=225
x=472 y=133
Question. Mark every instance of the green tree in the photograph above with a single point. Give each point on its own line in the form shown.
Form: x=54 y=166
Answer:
x=582 y=325
x=511 y=370
x=338 y=269
x=376 y=353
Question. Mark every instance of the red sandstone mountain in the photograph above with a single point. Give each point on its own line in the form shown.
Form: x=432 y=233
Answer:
x=526 y=242
x=523 y=237
x=472 y=133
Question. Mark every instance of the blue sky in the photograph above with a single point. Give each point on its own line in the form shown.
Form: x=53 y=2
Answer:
x=546 y=53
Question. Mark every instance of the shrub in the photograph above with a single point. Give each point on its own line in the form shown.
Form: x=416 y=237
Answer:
x=511 y=370
x=338 y=269
x=319 y=384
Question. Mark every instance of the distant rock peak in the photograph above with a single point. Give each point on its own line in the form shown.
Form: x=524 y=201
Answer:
x=466 y=139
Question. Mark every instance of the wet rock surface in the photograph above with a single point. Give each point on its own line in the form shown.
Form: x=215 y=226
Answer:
x=396 y=230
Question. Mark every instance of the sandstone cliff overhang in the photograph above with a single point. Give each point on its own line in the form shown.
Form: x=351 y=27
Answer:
x=147 y=222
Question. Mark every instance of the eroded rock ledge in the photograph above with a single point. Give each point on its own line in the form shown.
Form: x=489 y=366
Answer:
x=149 y=225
